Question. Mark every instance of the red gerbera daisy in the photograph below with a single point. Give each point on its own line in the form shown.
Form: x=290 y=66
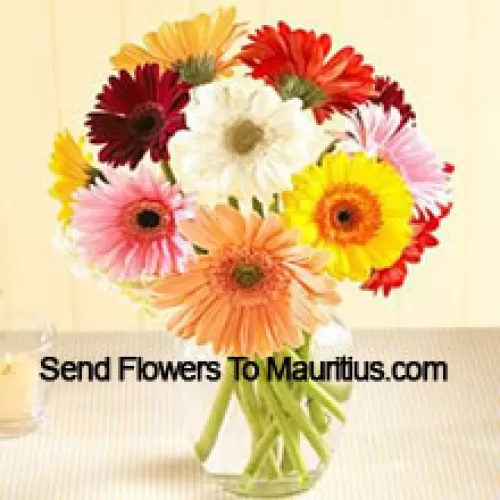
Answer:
x=424 y=225
x=297 y=63
x=140 y=113
x=391 y=95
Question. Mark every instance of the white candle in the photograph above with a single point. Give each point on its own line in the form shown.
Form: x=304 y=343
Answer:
x=18 y=387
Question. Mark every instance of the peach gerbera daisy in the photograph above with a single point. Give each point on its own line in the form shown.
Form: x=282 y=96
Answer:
x=194 y=47
x=254 y=292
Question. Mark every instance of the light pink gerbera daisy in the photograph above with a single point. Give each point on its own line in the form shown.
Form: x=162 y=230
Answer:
x=127 y=225
x=377 y=132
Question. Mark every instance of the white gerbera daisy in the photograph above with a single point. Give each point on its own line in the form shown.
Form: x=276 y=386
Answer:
x=241 y=140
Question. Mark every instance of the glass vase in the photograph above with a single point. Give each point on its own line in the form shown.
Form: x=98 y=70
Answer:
x=270 y=434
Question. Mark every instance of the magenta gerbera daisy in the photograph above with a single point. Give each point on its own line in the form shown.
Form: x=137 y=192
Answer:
x=127 y=224
x=138 y=113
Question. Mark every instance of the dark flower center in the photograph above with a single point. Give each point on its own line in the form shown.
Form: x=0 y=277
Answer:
x=244 y=136
x=349 y=214
x=247 y=275
x=345 y=216
x=147 y=120
x=148 y=219
x=291 y=86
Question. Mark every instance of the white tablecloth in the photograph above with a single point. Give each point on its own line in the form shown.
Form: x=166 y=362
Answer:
x=433 y=441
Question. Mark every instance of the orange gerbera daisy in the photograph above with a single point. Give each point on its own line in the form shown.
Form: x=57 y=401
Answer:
x=254 y=292
x=194 y=47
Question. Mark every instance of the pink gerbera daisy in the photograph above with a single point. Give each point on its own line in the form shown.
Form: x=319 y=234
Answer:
x=127 y=224
x=378 y=131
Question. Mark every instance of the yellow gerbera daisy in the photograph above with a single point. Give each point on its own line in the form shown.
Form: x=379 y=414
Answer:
x=194 y=47
x=355 y=207
x=72 y=168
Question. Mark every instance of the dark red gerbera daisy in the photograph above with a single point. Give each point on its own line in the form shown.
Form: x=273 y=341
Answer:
x=298 y=64
x=424 y=225
x=391 y=95
x=140 y=112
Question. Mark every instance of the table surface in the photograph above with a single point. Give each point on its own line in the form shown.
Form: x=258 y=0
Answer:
x=402 y=440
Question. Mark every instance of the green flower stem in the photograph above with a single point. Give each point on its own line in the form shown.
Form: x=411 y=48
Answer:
x=304 y=351
x=337 y=390
x=249 y=391
x=250 y=416
x=248 y=403
x=274 y=453
x=257 y=206
x=207 y=440
x=287 y=400
x=295 y=387
x=287 y=462
x=332 y=146
x=316 y=412
x=233 y=202
x=318 y=417
x=168 y=172
x=284 y=426
x=275 y=205
x=260 y=450
x=314 y=390
x=266 y=419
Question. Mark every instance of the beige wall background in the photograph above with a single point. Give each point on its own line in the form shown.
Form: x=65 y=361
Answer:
x=444 y=52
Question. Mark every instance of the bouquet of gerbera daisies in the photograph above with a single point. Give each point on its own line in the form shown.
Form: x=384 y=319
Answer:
x=224 y=194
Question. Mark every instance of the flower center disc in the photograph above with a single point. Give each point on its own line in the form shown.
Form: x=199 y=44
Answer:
x=244 y=136
x=148 y=219
x=344 y=216
x=349 y=214
x=247 y=275
x=147 y=120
